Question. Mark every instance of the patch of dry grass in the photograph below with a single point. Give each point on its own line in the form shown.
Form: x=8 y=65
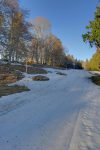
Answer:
x=10 y=78
x=11 y=74
x=12 y=68
x=95 y=79
x=7 y=90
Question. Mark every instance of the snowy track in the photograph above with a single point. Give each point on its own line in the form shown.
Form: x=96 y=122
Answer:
x=60 y=114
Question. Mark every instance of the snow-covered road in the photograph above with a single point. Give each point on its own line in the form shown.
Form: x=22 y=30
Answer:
x=60 y=114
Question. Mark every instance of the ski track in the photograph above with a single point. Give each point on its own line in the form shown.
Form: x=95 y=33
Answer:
x=60 y=114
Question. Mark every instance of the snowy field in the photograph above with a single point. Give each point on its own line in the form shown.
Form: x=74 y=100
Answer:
x=60 y=114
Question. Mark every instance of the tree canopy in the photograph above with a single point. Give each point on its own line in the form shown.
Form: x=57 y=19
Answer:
x=94 y=62
x=93 y=31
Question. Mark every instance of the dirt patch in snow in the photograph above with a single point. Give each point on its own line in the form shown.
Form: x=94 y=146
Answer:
x=7 y=78
x=60 y=73
x=7 y=90
x=40 y=78
x=7 y=68
x=95 y=79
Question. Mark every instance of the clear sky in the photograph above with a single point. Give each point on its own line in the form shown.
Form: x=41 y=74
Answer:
x=68 y=19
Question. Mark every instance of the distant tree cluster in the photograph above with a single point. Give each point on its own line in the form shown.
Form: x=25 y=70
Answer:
x=45 y=47
x=73 y=63
x=94 y=62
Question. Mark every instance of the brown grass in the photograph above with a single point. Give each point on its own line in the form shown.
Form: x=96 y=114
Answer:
x=95 y=79
x=7 y=90
x=12 y=68
x=12 y=73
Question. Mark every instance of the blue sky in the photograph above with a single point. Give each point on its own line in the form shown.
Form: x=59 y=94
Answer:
x=68 y=19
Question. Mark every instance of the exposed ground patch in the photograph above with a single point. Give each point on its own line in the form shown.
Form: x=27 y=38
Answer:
x=60 y=73
x=40 y=78
x=12 y=68
x=7 y=90
x=95 y=79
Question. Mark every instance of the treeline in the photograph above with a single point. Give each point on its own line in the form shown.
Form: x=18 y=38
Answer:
x=31 y=42
x=73 y=63
x=47 y=51
x=93 y=63
x=27 y=41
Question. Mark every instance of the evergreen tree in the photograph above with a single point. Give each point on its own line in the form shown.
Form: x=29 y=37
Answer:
x=94 y=63
x=93 y=33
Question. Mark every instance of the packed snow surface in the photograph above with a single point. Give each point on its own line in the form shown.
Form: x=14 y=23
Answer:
x=60 y=114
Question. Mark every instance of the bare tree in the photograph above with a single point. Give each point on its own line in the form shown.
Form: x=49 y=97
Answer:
x=15 y=35
x=41 y=30
x=12 y=4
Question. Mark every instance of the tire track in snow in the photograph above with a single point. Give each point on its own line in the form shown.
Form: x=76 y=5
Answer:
x=90 y=124
x=85 y=133
x=71 y=145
